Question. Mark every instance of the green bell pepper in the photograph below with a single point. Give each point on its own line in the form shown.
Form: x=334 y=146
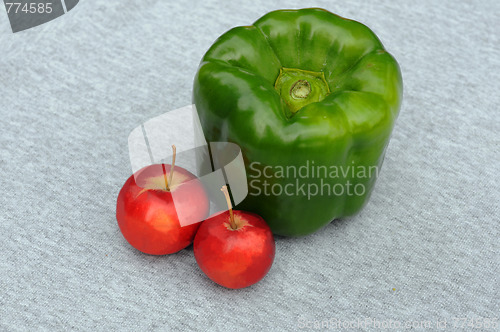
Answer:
x=311 y=98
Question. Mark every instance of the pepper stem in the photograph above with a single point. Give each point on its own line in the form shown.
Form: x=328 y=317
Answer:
x=228 y=200
x=300 y=89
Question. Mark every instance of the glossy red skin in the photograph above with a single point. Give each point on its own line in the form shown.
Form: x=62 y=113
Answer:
x=234 y=258
x=148 y=218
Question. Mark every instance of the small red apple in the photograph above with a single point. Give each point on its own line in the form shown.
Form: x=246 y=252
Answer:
x=147 y=216
x=234 y=248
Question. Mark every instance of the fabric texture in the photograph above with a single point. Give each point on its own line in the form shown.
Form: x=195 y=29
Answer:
x=425 y=247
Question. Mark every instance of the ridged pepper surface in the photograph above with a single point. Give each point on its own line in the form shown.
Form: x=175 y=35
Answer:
x=311 y=98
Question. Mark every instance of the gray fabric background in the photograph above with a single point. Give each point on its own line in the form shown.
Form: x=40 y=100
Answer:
x=73 y=89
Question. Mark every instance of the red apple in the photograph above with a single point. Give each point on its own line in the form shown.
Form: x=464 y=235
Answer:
x=147 y=216
x=234 y=248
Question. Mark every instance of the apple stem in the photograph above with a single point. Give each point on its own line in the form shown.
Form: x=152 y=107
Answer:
x=228 y=200
x=171 y=169
x=165 y=177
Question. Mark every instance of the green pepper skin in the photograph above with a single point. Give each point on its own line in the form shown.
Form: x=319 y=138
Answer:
x=237 y=101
